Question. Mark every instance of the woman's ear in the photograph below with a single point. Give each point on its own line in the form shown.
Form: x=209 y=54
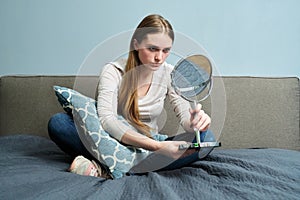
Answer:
x=135 y=45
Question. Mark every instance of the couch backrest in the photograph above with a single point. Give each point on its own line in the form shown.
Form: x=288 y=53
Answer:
x=262 y=112
x=259 y=112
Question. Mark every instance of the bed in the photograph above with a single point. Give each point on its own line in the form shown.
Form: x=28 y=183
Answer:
x=32 y=167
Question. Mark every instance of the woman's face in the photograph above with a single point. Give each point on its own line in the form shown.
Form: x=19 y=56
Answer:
x=154 y=49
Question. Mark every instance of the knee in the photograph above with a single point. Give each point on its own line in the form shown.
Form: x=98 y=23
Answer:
x=56 y=119
x=208 y=136
x=57 y=123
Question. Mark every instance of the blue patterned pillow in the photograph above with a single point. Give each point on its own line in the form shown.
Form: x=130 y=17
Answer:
x=117 y=157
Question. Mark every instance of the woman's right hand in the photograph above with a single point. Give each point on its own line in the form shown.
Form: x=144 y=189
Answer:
x=171 y=149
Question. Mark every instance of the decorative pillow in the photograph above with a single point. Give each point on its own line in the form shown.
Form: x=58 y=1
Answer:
x=117 y=157
x=64 y=99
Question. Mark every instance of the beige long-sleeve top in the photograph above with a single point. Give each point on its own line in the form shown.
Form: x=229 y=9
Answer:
x=150 y=105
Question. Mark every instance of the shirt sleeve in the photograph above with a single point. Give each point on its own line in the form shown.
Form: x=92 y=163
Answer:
x=107 y=102
x=179 y=105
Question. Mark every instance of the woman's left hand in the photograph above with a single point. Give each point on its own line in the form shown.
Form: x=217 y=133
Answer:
x=199 y=119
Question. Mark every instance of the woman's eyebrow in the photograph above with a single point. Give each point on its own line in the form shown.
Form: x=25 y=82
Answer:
x=157 y=47
x=152 y=45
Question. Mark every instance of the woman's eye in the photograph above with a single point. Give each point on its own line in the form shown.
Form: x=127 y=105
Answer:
x=166 y=50
x=152 y=48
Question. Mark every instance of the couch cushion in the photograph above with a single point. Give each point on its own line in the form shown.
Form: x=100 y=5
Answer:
x=261 y=112
x=27 y=102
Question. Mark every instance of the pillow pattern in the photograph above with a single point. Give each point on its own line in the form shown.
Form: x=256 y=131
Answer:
x=117 y=157
x=64 y=99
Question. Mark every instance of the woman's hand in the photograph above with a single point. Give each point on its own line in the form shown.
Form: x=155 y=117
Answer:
x=199 y=119
x=167 y=148
x=171 y=149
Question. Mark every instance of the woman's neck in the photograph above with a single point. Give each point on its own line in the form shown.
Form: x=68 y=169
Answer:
x=145 y=77
x=144 y=82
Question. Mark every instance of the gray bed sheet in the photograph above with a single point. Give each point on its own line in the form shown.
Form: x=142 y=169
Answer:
x=32 y=167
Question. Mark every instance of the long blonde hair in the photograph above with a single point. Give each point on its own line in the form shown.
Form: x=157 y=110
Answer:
x=128 y=96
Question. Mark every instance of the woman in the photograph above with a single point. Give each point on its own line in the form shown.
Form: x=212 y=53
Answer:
x=136 y=89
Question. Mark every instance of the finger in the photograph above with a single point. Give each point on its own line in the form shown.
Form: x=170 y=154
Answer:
x=205 y=124
x=203 y=121
x=202 y=117
x=198 y=118
x=197 y=108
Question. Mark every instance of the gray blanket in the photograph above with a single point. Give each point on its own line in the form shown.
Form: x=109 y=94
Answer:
x=33 y=167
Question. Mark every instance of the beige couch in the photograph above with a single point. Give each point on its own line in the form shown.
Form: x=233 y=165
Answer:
x=251 y=112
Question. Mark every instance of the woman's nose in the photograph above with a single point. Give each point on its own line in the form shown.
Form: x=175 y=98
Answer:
x=158 y=56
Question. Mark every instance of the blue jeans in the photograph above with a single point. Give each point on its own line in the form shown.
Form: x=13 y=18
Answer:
x=62 y=131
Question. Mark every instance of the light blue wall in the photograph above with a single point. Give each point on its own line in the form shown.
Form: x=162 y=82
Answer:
x=244 y=37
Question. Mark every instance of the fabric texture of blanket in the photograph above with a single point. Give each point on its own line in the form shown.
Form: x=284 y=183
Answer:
x=32 y=167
